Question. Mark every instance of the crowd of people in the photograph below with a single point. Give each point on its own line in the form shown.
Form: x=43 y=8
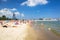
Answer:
x=13 y=23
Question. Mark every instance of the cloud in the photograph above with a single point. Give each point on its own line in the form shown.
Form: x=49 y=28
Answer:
x=13 y=9
x=9 y=13
x=6 y=12
x=22 y=15
x=17 y=13
x=32 y=3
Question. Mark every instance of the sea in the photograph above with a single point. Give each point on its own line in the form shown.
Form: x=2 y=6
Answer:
x=48 y=24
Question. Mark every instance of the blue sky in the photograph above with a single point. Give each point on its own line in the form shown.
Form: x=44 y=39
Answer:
x=32 y=9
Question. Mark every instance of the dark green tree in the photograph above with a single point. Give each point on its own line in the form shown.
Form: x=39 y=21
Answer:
x=4 y=17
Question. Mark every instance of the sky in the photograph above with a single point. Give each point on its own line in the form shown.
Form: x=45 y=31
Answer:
x=30 y=9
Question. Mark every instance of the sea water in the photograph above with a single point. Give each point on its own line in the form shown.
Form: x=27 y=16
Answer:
x=48 y=24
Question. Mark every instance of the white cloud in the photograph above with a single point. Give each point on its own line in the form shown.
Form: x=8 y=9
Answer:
x=6 y=12
x=34 y=2
x=22 y=15
x=9 y=13
x=13 y=9
x=17 y=13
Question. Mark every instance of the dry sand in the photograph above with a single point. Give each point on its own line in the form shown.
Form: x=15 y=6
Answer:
x=25 y=32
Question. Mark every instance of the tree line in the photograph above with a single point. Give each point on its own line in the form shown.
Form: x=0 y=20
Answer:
x=5 y=18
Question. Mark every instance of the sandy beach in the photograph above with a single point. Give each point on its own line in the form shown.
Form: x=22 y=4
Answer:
x=18 y=32
x=24 y=31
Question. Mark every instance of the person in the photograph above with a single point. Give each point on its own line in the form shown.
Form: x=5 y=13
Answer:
x=5 y=26
x=42 y=24
x=1 y=23
x=16 y=23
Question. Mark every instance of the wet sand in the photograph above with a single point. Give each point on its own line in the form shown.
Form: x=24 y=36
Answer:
x=45 y=34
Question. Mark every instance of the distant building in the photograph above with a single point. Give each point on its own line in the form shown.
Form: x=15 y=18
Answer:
x=50 y=19
x=14 y=17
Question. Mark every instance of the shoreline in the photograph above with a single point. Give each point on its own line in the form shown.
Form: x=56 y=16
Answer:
x=45 y=20
x=55 y=32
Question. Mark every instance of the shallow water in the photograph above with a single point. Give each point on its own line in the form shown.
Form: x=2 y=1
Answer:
x=48 y=24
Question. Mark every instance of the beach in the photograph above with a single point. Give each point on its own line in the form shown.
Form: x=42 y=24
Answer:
x=17 y=30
